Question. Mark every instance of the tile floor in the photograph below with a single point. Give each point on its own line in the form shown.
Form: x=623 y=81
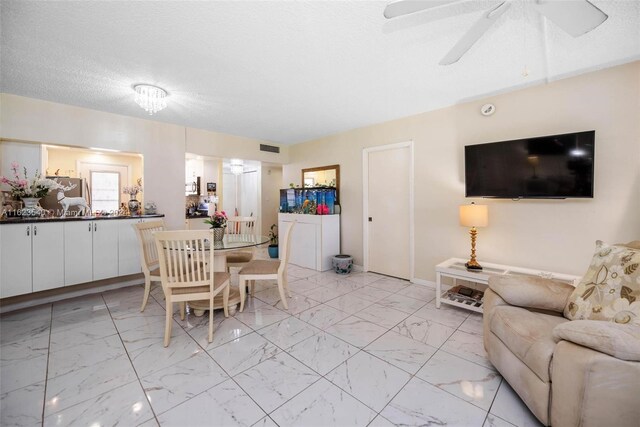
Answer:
x=351 y=351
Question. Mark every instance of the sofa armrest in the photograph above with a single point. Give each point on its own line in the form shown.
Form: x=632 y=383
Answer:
x=621 y=341
x=532 y=292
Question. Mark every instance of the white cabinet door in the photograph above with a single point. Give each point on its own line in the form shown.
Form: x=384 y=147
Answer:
x=304 y=250
x=105 y=249
x=15 y=260
x=47 y=251
x=78 y=252
x=128 y=247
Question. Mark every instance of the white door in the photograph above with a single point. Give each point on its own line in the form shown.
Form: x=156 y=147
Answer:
x=388 y=221
x=78 y=252
x=15 y=260
x=48 y=256
x=105 y=249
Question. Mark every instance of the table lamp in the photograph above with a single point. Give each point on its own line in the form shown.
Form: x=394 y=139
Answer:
x=473 y=216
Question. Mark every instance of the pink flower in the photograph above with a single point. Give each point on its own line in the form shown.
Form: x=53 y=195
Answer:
x=23 y=183
x=14 y=165
x=4 y=180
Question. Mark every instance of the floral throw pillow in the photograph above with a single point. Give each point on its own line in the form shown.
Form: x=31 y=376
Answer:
x=610 y=290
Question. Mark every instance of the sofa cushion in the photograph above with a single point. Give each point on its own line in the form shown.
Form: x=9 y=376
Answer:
x=528 y=335
x=610 y=290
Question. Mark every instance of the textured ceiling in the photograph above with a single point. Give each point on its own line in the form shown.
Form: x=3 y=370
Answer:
x=288 y=71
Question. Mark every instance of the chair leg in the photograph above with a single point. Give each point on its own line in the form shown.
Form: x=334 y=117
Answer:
x=225 y=300
x=286 y=285
x=282 y=296
x=182 y=310
x=211 y=318
x=168 y=322
x=253 y=287
x=242 y=284
x=147 y=290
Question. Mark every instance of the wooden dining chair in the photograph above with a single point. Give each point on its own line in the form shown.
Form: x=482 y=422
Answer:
x=268 y=270
x=239 y=227
x=148 y=254
x=185 y=258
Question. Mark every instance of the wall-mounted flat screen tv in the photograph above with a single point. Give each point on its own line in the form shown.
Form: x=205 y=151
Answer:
x=547 y=167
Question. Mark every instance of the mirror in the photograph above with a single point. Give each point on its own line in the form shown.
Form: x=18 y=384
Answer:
x=323 y=176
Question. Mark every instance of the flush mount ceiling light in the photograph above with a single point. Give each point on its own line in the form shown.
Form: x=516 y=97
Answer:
x=236 y=166
x=151 y=98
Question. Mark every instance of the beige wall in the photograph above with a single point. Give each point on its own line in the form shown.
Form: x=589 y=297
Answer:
x=162 y=145
x=556 y=235
x=271 y=183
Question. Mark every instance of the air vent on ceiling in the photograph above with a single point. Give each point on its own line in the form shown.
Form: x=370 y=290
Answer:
x=269 y=148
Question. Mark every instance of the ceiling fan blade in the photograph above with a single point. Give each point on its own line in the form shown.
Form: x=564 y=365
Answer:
x=473 y=35
x=574 y=17
x=406 y=7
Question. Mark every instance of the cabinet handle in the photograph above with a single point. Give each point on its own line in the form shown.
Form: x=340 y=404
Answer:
x=35 y=230
x=89 y=226
x=95 y=227
x=28 y=230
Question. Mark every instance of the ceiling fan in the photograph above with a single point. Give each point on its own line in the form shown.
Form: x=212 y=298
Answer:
x=576 y=17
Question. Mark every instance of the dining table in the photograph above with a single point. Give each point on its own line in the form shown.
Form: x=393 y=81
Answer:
x=229 y=243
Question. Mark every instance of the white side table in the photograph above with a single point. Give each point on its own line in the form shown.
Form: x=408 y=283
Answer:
x=455 y=269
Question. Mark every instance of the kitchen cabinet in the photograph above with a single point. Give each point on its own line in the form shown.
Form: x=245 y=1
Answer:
x=128 y=247
x=31 y=258
x=315 y=239
x=90 y=251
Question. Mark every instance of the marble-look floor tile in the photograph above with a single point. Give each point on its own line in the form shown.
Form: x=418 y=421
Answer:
x=390 y=285
x=301 y=272
x=473 y=324
x=508 y=406
x=269 y=295
x=381 y=421
x=22 y=407
x=21 y=373
x=28 y=348
x=327 y=293
x=82 y=384
x=19 y=327
x=74 y=306
x=178 y=383
x=322 y=352
x=125 y=405
x=85 y=355
x=469 y=347
x=445 y=315
x=322 y=316
x=306 y=286
x=323 y=404
x=224 y=330
x=469 y=381
x=425 y=331
x=265 y=422
x=71 y=319
x=419 y=292
x=402 y=352
x=243 y=353
x=223 y=405
x=382 y=316
x=495 y=421
x=288 y=332
x=83 y=333
x=370 y=293
x=364 y=278
x=258 y=314
x=296 y=304
x=349 y=304
x=369 y=379
x=402 y=303
x=276 y=380
x=356 y=331
x=420 y=403
x=155 y=356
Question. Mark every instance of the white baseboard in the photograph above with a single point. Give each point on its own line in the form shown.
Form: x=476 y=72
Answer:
x=357 y=268
x=48 y=299
x=424 y=282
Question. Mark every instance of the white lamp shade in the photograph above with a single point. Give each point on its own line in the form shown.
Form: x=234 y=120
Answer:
x=474 y=215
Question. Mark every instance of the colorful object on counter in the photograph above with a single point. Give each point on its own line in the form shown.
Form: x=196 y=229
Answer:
x=25 y=187
x=312 y=201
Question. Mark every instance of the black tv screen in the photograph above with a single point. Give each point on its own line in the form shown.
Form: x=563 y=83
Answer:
x=547 y=167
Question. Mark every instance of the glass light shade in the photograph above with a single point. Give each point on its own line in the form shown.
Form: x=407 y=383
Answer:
x=474 y=215
x=151 y=98
x=236 y=166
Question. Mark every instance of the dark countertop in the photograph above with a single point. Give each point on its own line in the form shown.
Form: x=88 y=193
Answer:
x=20 y=220
x=197 y=216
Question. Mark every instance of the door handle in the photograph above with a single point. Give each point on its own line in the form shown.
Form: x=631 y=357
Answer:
x=370 y=219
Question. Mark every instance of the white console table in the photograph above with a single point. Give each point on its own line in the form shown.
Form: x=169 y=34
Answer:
x=315 y=239
x=454 y=268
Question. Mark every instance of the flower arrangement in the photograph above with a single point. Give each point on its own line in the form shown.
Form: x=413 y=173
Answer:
x=217 y=220
x=133 y=190
x=22 y=187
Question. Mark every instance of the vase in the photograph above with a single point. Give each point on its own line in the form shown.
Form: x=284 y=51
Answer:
x=218 y=234
x=134 y=206
x=31 y=207
x=342 y=264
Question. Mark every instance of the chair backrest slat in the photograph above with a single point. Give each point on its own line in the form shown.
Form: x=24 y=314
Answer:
x=245 y=225
x=286 y=248
x=148 y=251
x=183 y=257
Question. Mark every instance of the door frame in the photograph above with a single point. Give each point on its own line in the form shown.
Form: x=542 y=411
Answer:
x=365 y=202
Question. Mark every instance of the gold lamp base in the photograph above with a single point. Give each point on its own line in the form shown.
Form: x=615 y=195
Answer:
x=473 y=264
